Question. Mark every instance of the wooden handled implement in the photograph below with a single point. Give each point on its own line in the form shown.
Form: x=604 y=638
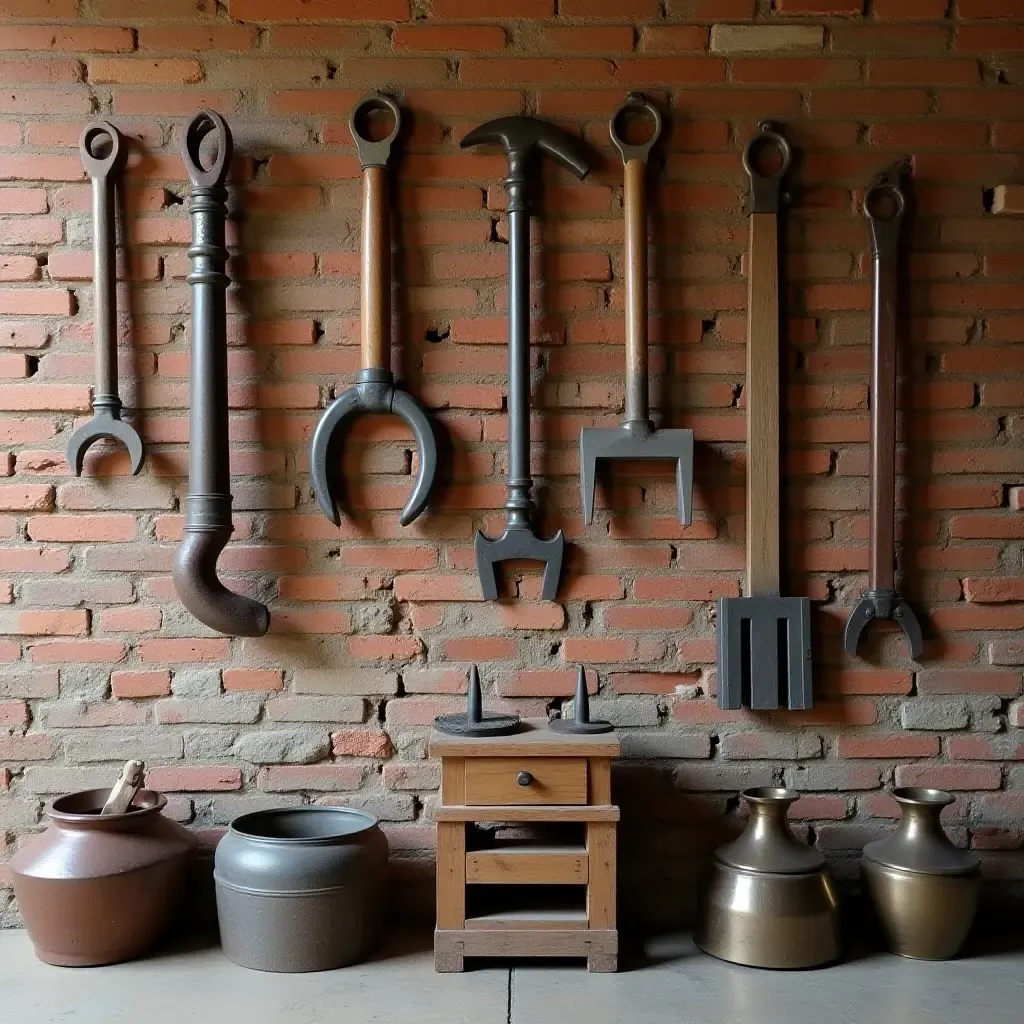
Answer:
x=375 y=390
x=884 y=204
x=764 y=640
x=636 y=438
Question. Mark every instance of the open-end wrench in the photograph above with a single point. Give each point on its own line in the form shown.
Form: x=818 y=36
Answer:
x=106 y=402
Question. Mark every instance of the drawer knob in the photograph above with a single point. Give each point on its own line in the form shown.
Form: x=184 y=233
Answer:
x=524 y=778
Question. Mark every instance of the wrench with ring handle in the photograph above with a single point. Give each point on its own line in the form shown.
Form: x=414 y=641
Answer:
x=375 y=390
x=884 y=204
x=106 y=421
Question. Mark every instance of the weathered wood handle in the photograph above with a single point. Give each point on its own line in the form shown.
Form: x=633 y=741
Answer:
x=375 y=282
x=129 y=782
x=635 y=202
x=762 y=399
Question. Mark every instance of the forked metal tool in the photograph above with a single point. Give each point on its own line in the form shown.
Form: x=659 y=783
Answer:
x=884 y=205
x=375 y=390
x=637 y=437
x=519 y=137
x=764 y=639
x=106 y=421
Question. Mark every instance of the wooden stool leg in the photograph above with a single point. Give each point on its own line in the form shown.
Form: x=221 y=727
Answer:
x=451 y=892
x=449 y=963
x=602 y=963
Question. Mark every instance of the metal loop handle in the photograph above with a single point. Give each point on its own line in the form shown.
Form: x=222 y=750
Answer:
x=884 y=223
x=371 y=153
x=199 y=127
x=765 y=189
x=101 y=166
x=635 y=103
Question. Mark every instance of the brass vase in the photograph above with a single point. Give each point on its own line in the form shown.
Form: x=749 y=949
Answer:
x=925 y=890
x=771 y=901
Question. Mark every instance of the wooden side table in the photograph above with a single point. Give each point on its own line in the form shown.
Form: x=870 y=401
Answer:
x=535 y=775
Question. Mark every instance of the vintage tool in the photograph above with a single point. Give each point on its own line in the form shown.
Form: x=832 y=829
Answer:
x=884 y=205
x=301 y=888
x=534 y=778
x=771 y=900
x=375 y=390
x=764 y=640
x=637 y=437
x=924 y=889
x=581 y=721
x=473 y=722
x=129 y=782
x=208 y=504
x=520 y=136
x=103 y=155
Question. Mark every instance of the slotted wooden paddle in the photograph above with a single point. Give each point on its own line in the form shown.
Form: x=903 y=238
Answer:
x=764 y=639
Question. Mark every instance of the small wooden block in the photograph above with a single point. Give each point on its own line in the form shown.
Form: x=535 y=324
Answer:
x=1008 y=199
x=602 y=963
x=529 y=865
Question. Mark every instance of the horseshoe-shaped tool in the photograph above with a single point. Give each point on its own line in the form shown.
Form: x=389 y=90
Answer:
x=884 y=205
x=106 y=421
x=637 y=437
x=375 y=390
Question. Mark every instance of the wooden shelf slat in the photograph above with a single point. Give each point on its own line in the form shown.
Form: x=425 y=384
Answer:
x=528 y=864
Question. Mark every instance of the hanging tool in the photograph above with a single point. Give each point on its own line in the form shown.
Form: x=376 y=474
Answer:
x=764 y=640
x=208 y=524
x=103 y=155
x=884 y=205
x=637 y=438
x=519 y=137
x=375 y=390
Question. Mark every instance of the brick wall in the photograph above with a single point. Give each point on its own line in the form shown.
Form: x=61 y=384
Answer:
x=374 y=625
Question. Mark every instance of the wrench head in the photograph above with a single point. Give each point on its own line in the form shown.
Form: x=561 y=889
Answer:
x=99 y=427
x=519 y=542
x=883 y=605
x=374 y=393
x=627 y=442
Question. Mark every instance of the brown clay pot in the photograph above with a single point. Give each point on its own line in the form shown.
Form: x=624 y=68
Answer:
x=98 y=889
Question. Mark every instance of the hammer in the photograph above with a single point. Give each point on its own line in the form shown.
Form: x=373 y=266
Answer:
x=519 y=137
x=636 y=438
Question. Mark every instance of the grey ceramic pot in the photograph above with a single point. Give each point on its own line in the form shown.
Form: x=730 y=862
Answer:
x=301 y=888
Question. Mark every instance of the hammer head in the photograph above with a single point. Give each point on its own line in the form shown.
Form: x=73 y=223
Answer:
x=518 y=135
x=637 y=441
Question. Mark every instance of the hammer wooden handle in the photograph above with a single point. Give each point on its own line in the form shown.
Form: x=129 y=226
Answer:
x=762 y=399
x=635 y=202
x=375 y=281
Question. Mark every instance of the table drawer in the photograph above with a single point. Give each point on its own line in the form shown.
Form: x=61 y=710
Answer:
x=526 y=780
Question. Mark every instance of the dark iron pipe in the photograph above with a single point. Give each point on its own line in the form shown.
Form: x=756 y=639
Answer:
x=208 y=524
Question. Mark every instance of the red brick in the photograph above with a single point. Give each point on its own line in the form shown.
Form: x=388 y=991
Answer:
x=319 y=10
x=65 y=37
x=361 y=743
x=131 y=683
x=466 y=38
x=185 y=650
x=887 y=748
x=385 y=648
x=954 y=777
x=44 y=622
x=144 y=71
x=990 y=39
x=797 y=7
x=259 y=679
x=458 y=10
x=482 y=649
x=206 y=37
x=943 y=681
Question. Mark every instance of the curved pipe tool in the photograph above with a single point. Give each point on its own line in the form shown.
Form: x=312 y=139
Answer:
x=519 y=137
x=764 y=640
x=374 y=390
x=106 y=402
x=637 y=437
x=208 y=524
x=884 y=205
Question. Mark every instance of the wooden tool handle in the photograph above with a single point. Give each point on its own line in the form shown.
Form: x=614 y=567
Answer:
x=762 y=398
x=635 y=202
x=375 y=283
x=129 y=782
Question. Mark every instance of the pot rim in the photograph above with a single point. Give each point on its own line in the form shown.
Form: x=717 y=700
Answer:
x=922 y=796
x=366 y=820
x=145 y=802
x=776 y=795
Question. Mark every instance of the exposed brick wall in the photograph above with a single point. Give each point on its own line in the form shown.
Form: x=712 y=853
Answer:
x=374 y=625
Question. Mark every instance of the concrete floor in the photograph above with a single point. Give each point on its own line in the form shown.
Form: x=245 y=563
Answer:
x=676 y=983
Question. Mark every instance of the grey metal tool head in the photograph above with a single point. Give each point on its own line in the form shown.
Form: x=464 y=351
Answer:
x=581 y=722
x=375 y=390
x=636 y=437
x=103 y=156
x=519 y=135
x=884 y=603
x=473 y=722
